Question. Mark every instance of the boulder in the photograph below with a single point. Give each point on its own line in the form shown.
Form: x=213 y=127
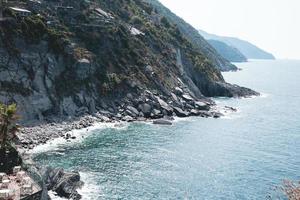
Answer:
x=146 y=109
x=187 y=97
x=205 y=114
x=129 y=96
x=174 y=97
x=65 y=184
x=180 y=113
x=178 y=91
x=133 y=112
x=201 y=105
x=127 y=119
x=162 y=122
x=156 y=114
x=194 y=112
x=164 y=105
x=217 y=115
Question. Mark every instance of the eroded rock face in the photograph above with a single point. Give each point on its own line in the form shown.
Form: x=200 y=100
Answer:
x=97 y=64
x=65 y=184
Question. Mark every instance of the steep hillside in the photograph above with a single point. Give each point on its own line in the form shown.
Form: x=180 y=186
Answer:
x=192 y=34
x=230 y=53
x=70 y=58
x=246 y=48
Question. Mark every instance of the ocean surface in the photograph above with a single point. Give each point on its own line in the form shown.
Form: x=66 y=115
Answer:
x=245 y=155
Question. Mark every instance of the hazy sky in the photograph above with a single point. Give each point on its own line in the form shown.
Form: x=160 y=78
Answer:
x=273 y=25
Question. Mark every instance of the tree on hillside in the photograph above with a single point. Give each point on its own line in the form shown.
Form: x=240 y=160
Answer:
x=8 y=126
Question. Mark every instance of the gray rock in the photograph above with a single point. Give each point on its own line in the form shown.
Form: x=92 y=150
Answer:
x=81 y=111
x=145 y=108
x=68 y=107
x=174 y=97
x=149 y=69
x=202 y=106
x=129 y=96
x=128 y=118
x=194 y=112
x=205 y=114
x=133 y=112
x=164 y=105
x=178 y=91
x=119 y=116
x=65 y=184
x=83 y=68
x=180 y=113
x=217 y=115
x=162 y=122
x=156 y=113
x=187 y=97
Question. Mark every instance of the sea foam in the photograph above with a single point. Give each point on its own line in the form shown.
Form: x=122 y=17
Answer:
x=58 y=144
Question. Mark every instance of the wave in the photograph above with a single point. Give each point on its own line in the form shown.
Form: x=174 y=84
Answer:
x=79 y=135
x=54 y=196
x=90 y=189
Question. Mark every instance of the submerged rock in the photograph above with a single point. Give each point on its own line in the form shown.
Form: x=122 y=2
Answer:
x=162 y=122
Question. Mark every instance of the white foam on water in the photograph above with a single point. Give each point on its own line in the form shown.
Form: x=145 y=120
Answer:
x=58 y=144
x=232 y=115
x=181 y=119
x=264 y=95
x=54 y=196
x=90 y=189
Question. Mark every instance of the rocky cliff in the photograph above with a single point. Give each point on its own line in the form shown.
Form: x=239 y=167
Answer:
x=195 y=38
x=71 y=58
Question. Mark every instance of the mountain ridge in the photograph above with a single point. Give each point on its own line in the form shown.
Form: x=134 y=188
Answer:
x=230 y=53
x=248 y=49
x=196 y=39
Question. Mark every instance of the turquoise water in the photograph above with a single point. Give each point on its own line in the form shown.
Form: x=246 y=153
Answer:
x=242 y=156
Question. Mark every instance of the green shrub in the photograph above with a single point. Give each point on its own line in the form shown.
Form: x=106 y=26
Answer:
x=56 y=41
x=33 y=28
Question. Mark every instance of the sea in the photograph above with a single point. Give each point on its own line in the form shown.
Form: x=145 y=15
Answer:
x=244 y=155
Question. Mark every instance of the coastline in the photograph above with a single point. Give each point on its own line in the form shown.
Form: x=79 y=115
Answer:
x=45 y=137
x=40 y=134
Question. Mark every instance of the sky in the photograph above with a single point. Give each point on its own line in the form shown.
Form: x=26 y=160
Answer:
x=273 y=25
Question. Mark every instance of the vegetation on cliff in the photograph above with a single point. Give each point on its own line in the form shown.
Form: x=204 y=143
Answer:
x=230 y=53
x=78 y=56
x=8 y=128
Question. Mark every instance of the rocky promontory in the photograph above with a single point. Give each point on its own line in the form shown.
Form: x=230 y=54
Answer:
x=71 y=64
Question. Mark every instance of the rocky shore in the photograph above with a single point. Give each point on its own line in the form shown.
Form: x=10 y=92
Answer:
x=145 y=107
x=148 y=107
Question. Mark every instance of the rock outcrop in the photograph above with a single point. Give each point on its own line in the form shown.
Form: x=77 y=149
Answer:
x=65 y=184
x=193 y=35
x=76 y=60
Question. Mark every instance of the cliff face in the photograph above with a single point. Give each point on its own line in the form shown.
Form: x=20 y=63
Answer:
x=230 y=53
x=193 y=35
x=87 y=56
